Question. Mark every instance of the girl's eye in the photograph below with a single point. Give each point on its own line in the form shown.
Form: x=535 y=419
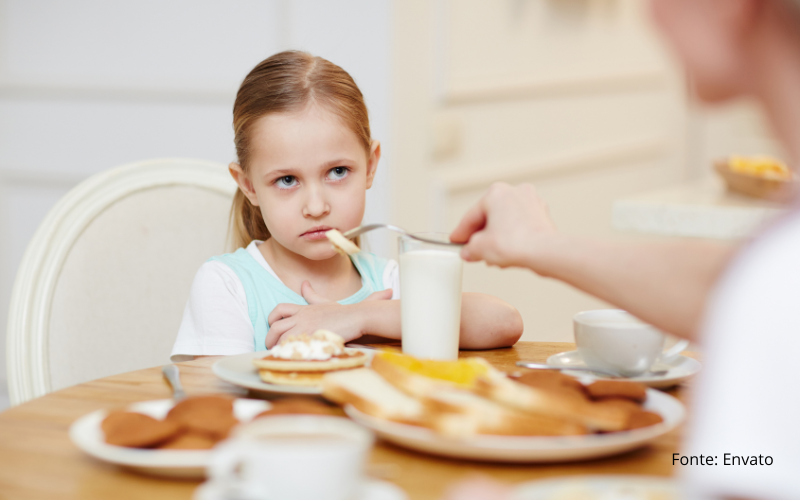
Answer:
x=286 y=181
x=337 y=173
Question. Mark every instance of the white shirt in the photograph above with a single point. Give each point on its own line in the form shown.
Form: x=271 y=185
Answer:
x=747 y=398
x=216 y=320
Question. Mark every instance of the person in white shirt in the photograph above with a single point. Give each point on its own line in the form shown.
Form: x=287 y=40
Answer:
x=741 y=303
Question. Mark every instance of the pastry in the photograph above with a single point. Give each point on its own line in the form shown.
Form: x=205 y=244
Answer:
x=304 y=359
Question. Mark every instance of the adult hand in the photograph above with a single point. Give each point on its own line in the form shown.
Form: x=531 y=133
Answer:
x=290 y=319
x=505 y=226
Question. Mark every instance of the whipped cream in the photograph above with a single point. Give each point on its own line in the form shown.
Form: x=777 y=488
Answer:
x=318 y=346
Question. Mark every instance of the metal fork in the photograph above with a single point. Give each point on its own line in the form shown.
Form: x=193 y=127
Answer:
x=369 y=227
x=173 y=376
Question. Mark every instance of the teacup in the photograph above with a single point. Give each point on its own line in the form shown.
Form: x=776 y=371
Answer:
x=615 y=340
x=292 y=457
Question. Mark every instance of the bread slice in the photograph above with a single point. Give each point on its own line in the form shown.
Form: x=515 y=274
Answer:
x=371 y=394
x=461 y=414
x=545 y=403
x=420 y=378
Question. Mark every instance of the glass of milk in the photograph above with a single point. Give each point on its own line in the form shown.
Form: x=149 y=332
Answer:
x=430 y=297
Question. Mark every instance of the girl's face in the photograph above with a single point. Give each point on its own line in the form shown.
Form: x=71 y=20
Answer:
x=308 y=174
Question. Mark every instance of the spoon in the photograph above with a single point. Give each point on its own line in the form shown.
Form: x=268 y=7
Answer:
x=369 y=227
x=173 y=376
x=543 y=366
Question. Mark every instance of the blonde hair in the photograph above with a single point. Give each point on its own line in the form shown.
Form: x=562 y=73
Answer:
x=286 y=82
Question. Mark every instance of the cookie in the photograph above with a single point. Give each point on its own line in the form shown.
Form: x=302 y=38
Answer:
x=298 y=406
x=189 y=441
x=643 y=419
x=204 y=414
x=617 y=389
x=136 y=430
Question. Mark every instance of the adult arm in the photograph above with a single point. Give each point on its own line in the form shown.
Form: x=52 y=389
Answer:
x=663 y=283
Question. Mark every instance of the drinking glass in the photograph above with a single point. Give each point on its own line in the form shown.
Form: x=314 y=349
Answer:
x=430 y=297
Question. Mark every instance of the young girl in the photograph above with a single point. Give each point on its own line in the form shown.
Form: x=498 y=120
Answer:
x=305 y=161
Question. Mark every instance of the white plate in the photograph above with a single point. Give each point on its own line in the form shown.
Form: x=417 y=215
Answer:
x=372 y=489
x=88 y=435
x=598 y=488
x=678 y=370
x=240 y=370
x=529 y=448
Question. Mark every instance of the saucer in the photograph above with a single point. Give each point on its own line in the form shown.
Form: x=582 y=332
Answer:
x=598 y=487
x=372 y=489
x=678 y=370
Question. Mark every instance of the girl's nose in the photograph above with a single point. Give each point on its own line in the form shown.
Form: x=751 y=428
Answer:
x=316 y=205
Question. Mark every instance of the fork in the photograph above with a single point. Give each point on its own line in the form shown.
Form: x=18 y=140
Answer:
x=369 y=227
x=173 y=376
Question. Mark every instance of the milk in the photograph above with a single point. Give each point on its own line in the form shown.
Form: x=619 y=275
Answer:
x=430 y=303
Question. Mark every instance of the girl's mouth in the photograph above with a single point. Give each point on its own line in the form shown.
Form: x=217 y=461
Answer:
x=316 y=233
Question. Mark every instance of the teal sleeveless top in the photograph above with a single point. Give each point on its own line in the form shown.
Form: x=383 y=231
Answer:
x=264 y=291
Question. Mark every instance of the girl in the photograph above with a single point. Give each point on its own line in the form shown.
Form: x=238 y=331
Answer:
x=305 y=161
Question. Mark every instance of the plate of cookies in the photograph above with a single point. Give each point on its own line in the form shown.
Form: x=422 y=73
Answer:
x=468 y=409
x=295 y=366
x=162 y=437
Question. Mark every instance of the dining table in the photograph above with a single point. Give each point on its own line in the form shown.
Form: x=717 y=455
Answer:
x=38 y=460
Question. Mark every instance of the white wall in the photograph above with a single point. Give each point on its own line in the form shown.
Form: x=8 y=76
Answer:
x=87 y=85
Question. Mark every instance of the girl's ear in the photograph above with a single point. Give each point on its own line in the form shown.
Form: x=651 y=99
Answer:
x=244 y=183
x=372 y=162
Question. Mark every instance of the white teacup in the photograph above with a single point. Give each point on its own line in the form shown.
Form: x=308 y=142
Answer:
x=292 y=457
x=616 y=340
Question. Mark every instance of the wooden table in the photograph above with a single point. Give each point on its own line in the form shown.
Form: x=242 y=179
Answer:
x=37 y=459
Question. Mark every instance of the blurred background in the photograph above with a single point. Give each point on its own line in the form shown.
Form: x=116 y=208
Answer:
x=577 y=96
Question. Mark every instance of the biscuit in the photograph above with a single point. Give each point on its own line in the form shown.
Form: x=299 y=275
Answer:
x=617 y=389
x=189 y=441
x=205 y=414
x=643 y=419
x=136 y=430
x=298 y=406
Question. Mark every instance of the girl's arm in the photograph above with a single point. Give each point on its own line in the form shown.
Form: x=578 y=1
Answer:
x=486 y=322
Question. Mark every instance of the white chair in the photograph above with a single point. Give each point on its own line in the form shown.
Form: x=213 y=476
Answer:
x=104 y=281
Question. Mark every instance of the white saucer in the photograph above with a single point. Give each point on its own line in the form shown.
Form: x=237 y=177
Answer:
x=372 y=489
x=678 y=370
x=598 y=487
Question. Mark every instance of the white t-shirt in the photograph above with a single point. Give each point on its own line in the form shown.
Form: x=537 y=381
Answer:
x=747 y=398
x=216 y=320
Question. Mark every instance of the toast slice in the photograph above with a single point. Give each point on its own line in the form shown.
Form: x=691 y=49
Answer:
x=370 y=393
x=546 y=403
x=461 y=413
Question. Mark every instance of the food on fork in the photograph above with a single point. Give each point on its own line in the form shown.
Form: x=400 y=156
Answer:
x=341 y=244
x=304 y=359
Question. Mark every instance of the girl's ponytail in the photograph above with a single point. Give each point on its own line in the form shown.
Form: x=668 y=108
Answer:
x=246 y=222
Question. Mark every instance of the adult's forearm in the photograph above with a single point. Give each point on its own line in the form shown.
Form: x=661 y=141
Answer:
x=666 y=284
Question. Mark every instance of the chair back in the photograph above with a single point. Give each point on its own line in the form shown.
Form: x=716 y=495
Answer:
x=103 y=283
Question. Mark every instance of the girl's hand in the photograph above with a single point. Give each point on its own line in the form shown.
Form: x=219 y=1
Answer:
x=290 y=319
x=505 y=227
